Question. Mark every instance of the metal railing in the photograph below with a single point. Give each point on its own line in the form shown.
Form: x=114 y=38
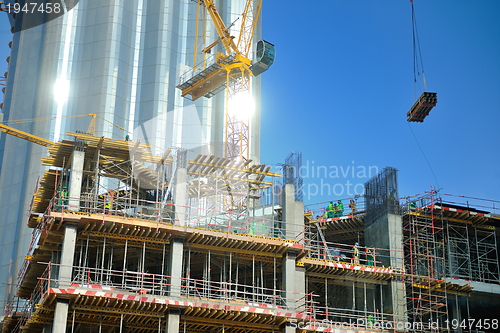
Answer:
x=345 y=253
x=332 y=317
x=160 y=285
x=169 y=213
x=350 y=207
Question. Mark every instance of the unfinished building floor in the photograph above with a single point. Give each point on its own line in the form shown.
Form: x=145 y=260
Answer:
x=128 y=241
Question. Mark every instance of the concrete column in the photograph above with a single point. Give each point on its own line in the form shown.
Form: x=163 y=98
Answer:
x=175 y=259
x=173 y=320
x=68 y=253
x=75 y=179
x=181 y=196
x=293 y=282
x=293 y=277
x=61 y=316
x=387 y=233
x=289 y=278
x=293 y=214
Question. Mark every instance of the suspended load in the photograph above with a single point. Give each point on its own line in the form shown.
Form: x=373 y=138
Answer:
x=422 y=107
x=264 y=58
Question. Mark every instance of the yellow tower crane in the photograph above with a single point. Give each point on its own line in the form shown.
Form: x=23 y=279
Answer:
x=25 y=136
x=229 y=71
x=44 y=142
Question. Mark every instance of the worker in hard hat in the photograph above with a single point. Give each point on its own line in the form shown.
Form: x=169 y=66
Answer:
x=334 y=211
x=251 y=229
x=63 y=198
x=108 y=204
x=370 y=322
x=352 y=205
x=368 y=257
x=340 y=208
x=355 y=254
x=328 y=210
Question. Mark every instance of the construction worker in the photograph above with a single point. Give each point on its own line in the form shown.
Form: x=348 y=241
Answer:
x=108 y=204
x=251 y=230
x=107 y=207
x=352 y=205
x=333 y=212
x=127 y=137
x=340 y=208
x=370 y=322
x=328 y=209
x=63 y=198
x=355 y=254
x=368 y=257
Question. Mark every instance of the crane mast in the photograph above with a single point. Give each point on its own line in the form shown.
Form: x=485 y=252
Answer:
x=230 y=71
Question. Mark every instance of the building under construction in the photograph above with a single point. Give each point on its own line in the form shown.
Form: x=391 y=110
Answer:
x=128 y=241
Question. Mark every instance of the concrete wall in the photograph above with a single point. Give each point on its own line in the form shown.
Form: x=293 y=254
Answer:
x=293 y=213
x=387 y=233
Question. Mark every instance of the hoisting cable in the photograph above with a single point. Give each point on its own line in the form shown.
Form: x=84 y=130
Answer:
x=425 y=157
x=418 y=65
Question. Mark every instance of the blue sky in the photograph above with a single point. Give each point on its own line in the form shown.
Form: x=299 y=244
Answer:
x=342 y=83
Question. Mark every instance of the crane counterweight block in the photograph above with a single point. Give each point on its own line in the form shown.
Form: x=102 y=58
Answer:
x=422 y=107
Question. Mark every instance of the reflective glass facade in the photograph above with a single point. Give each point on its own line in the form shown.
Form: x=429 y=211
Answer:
x=119 y=59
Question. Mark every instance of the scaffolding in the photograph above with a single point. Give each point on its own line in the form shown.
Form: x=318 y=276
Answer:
x=468 y=232
x=190 y=236
x=351 y=280
x=472 y=248
x=448 y=246
x=426 y=296
x=219 y=258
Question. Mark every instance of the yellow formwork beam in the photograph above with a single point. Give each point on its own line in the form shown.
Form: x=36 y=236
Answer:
x=452 y=219
x=116 y=310
x=226 y=249
x=233 y=168
x=214 y=322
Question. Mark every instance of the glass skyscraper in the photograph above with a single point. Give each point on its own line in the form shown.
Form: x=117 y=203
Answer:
x=119 y=59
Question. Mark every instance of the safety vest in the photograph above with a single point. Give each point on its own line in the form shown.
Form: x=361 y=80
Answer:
x=340 y=207
x=330 y=207
x=356 y=251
